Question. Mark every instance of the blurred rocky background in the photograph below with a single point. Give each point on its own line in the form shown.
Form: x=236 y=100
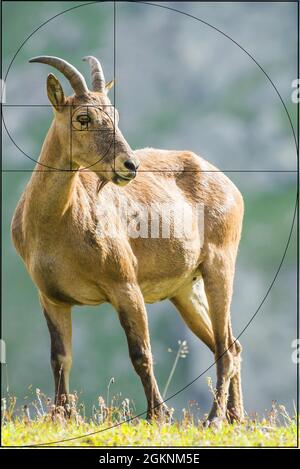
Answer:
x=180 y=84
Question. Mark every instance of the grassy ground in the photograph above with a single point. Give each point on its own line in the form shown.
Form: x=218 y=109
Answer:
x=49 y=425
x=143 y=434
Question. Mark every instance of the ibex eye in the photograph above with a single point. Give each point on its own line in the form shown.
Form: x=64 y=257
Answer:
x=84 y=119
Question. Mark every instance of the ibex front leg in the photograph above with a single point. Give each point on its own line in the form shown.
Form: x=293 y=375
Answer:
x=60 y=328
x=133 y=317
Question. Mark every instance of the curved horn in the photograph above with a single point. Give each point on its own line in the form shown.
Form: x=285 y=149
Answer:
x=98 y=79
x=75 y=78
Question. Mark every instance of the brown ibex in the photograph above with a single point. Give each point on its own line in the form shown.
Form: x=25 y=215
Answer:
x=86 y=165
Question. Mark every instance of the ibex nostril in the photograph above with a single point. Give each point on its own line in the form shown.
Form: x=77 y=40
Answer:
x=130 y=165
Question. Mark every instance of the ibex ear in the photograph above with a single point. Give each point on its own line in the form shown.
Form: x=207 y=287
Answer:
x=55 y=92
x=109 y=85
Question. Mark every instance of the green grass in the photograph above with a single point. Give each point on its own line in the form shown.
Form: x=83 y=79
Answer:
x=144 y=434
x=50 y=425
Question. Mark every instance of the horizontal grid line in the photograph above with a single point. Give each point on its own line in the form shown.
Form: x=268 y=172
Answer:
x=151 y=171
x=61 y=105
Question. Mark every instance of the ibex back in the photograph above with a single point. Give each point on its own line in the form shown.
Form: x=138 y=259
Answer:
x=86 y=169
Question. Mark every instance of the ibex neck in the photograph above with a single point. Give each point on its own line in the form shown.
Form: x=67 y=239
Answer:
x=52 y=184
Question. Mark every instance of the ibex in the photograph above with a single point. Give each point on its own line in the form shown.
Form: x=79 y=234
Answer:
x=57 y=225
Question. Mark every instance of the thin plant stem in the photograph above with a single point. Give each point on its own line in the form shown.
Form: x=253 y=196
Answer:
x=111 y=381
x=172 y=371
x=7 y=380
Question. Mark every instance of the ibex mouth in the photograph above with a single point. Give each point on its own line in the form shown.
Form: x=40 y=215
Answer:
x=123 y=179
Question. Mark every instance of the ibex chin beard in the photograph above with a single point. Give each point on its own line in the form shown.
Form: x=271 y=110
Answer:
x=119 y=180
x=123 y=179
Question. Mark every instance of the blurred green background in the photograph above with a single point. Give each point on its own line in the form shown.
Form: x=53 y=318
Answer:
x=179 y=85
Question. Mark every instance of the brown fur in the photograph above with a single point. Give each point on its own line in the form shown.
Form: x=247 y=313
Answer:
x=54 y=229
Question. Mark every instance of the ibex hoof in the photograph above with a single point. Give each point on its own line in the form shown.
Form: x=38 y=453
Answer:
x=160 y=414
x=215 y=423
x=234 y=416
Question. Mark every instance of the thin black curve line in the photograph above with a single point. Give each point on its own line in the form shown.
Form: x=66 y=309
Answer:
x=167 y=8
x=63 y=170
x=53 y=168
x=285 y=251
x=16 y=53
x=96 y=130
x=50 y=168
x=112 y=143
x=43 y=24
x=203 y=372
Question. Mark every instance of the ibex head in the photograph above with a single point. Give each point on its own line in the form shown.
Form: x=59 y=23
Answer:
x=91 y=121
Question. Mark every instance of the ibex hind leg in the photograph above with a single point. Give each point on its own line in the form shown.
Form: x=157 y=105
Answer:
x=218 y=273
x=235 y=407
x=191 y=303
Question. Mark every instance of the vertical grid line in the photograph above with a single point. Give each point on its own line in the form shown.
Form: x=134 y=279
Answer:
x=114 y=88
x=1 y=203
x=70 y=156
x=297 y=276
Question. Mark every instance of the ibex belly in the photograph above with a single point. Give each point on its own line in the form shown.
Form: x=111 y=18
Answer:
x=165 y=270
